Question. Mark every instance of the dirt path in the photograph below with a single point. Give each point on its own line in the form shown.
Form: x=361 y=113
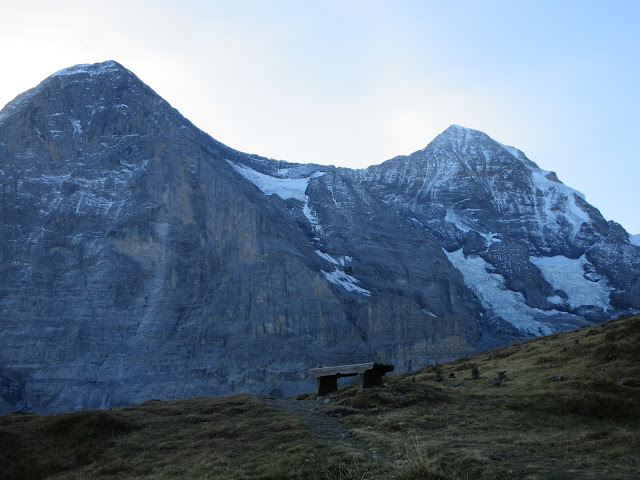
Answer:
x=324 y=425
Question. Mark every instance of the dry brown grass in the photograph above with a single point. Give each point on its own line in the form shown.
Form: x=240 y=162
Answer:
x=570 y=410
x=227 y=437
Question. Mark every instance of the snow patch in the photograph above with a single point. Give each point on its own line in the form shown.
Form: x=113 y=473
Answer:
x=553 y=194
x=338 y=277
x=311 y=215
x=461 y=224
x=285 y=188
x=511 y=150
x=555 y=299
x=495 y=297
x=569 y=275
x=340 y=261
x=345 y=260
x=327 y=257
x=576 y=215
x=77 y=127
x=492 y=237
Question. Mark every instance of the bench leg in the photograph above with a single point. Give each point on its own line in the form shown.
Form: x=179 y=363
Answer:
x=327 y=384
x=371 y=380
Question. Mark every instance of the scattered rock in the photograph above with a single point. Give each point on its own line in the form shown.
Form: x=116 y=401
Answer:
x=501 y=380
x=559 y=378
x=629 y=382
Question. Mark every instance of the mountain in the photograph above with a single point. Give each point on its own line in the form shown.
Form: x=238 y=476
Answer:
x=142 y=259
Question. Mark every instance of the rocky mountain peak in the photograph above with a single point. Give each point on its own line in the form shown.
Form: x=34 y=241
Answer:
x=461 y=138
x=462 y=142
x=458 y=131
x=74 y=90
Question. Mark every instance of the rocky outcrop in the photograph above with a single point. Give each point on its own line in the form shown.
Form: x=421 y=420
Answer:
x=141 y=258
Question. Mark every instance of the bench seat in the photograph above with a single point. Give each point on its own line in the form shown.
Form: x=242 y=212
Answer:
x=371 y=373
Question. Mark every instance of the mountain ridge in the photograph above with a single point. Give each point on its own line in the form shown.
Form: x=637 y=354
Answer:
x=141 y=258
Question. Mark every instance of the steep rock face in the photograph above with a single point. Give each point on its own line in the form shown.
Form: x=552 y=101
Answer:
x=135 y=259
x=138 y=262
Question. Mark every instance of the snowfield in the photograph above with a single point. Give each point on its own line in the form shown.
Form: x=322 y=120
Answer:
x=496 y=298
x=570 y=276
x=285 y=188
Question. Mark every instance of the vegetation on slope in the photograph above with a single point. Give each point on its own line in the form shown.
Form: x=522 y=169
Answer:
x=568 y=408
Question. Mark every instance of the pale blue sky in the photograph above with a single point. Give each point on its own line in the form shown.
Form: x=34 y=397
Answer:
x=354 y=83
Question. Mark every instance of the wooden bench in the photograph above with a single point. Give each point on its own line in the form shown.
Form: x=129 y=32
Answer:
x=372 y=374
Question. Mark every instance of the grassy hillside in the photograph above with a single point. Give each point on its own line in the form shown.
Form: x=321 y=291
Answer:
x=569 y=408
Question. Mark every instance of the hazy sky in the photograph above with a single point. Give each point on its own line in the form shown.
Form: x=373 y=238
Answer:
x=354 y=83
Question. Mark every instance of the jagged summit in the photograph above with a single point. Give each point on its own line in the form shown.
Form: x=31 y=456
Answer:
x=455 y=129
x=464 y=134
x=471 y=141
